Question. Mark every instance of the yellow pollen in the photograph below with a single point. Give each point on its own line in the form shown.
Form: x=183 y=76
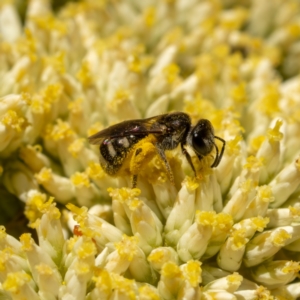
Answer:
x=50 y=23
x=95 y=171
x=52 y=93
x=75 y=107
x=88 y=232
x=233 y=146
x=36 y=205
x=171 y=270
x=57 y=62
x=206 y=217
x=171 y=72
x=291 y=267
x=27 y=242
x=82 y=268
x=264 y=294
x=239 y=239
x=12 y=120
x=38 y=106
x=274 y=135
x=198 y=108
x=173 y=36
x=84 y=75
x=193 y=272
x=260 y=223
x=123 y=194
x=265 y=193
x=157 y=256
x=149 y=16
x=295 y=211
x=191 y=183
x=256 y=143
x=94 y=128
x=146 y=292
x=253 y=163
x=127 y=247
x=70 y=243
x=86 y=250
x=26 y=97
x=27 y=45
x=221 y=51
x=268 y=104
x=224 y=222
x=238 y=93
x=293 y=30
x=279 y=237
x=235 y=278
x=44 y=269
x=76 y=147
x=134 y=204
x=103 y=281
x=44 y=175
x=5 y=256
x=124 y=285
x=80 y=211
x=61 y=131
x=141 y=159
x=134 y=64
x=246 y=186
x=15 y=281
x=236 y=20
x=121 y=98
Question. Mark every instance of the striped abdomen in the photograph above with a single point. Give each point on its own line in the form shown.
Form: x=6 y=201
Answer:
x=113 y=152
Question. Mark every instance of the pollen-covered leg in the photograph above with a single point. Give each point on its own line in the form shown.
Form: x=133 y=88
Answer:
x=134 y=181
x=140 y=159
x=162 y=154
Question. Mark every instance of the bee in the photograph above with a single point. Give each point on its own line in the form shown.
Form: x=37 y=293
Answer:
x=121 y=142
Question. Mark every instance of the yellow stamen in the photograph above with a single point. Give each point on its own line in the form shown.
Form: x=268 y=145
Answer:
x=149 y=16
x=12 y=120
x=95 y=171
x=274 y=135
x=127 y=247
x=280 y=237
x=15 y=281
x=44 y=175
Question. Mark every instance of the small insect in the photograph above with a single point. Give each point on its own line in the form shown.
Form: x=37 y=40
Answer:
x=122 y=141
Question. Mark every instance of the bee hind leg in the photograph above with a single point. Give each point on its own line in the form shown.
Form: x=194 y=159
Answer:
x=167 y=165
x=134 y=181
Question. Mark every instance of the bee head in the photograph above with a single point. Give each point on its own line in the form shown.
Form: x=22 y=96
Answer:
x=202 y=137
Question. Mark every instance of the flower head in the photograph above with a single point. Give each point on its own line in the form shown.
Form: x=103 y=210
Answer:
x=210 y=233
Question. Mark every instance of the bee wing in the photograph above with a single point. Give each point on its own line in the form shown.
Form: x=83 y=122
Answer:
x=126 y=128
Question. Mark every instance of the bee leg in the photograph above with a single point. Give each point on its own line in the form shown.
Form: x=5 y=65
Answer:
x=134 y=181
x=188 y=158
x=222 y=150
x=135 y=176
x=162 y=154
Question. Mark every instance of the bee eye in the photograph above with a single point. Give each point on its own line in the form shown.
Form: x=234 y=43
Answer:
x=202 y=137
x=199 y=144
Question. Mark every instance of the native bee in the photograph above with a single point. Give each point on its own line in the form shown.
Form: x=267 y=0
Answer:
x=121 y=142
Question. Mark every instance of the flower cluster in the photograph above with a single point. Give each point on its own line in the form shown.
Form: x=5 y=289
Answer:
x=229 y=233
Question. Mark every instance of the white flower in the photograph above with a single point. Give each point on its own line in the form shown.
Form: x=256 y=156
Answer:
x=67 y=74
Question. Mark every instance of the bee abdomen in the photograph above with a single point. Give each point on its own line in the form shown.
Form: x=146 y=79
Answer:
x=114 y=151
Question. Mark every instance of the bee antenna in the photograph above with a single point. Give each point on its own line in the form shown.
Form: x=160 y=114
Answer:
x=218 y=155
